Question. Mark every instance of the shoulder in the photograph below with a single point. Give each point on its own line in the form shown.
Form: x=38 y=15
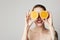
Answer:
x=29 y=32
x=46 y=31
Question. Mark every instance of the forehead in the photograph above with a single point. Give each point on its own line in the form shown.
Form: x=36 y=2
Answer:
x=38 y=9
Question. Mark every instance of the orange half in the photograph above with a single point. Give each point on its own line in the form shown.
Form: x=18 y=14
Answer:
x=44 y=14
x=33 y=15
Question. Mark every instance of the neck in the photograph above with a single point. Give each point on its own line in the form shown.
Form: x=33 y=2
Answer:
x=41 y=28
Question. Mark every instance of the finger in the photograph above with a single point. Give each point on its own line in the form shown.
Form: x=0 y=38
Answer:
x=50 y=14
x=29 y=15
x=45 y=20
x=28 y=11
x=26 y=15
x=50 y=19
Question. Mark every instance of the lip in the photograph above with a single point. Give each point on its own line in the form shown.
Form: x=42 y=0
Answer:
x=39 y=21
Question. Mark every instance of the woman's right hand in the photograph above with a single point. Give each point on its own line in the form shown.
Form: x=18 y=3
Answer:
x=28 y=20
x=27 y=27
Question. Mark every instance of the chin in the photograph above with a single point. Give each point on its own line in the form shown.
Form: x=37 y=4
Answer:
x=39 y=24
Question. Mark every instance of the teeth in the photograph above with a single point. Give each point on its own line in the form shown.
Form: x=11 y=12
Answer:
x=39 y=21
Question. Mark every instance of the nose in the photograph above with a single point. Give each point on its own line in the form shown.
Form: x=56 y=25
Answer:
x=39 y=17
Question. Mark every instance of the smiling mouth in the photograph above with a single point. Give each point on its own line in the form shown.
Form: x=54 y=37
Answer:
x=39 y=21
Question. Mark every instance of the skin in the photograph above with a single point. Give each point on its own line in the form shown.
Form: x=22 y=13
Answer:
x=39 y=32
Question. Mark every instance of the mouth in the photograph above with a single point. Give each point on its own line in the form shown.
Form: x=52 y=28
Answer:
x=39 y=21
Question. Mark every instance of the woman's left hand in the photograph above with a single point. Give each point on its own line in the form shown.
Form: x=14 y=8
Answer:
x=49 y=20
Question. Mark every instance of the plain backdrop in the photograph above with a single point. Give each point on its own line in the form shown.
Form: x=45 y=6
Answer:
x=12 y=16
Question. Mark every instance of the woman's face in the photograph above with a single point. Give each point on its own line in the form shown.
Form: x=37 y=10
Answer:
x=38 y=21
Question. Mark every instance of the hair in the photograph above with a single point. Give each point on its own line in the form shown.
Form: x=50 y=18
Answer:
x=39 y=5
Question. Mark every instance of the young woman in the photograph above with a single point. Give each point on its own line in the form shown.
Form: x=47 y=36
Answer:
x=39 y=32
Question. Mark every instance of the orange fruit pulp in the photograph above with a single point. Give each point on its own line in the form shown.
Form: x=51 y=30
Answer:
x=33 y=15
x=44 y=14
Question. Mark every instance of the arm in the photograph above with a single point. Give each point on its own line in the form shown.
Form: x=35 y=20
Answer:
x=50 y=26
x=25 y=34
x=27 y=27
x=52 y=31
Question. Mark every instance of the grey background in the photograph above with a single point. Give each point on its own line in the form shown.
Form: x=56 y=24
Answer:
x=12 y=16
